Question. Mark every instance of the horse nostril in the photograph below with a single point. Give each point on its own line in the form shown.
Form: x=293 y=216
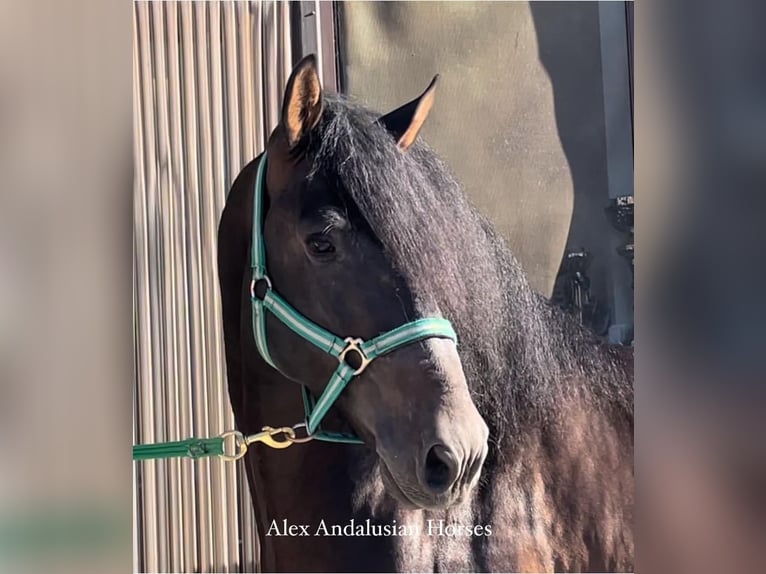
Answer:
x=441 y=468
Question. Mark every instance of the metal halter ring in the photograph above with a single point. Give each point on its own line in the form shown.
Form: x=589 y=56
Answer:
x=353 y=344
x=254 y=282
x=307 y=438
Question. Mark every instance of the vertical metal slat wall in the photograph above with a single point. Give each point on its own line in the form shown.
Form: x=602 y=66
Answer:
x=207 y=80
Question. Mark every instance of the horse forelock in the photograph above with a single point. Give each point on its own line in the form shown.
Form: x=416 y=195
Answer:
x=522 y=358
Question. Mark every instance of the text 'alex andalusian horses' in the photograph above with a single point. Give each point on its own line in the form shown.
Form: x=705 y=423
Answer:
x=508 y=447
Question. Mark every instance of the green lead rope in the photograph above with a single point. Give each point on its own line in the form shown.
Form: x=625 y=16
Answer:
x=189 y=448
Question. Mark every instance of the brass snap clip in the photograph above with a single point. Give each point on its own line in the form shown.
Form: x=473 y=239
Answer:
x=271 y=437
x=235 y=443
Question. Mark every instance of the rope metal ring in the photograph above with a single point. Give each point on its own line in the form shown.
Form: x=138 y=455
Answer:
x=238 y=445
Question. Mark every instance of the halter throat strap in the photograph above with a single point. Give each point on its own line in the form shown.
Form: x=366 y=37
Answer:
x=353 y=354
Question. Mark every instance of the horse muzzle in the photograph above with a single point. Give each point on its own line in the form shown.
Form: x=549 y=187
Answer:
x=442 y=474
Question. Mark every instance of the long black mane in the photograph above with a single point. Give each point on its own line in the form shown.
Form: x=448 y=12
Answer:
x=524 y=360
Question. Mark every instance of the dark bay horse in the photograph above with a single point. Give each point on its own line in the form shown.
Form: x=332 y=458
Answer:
x=510 y=451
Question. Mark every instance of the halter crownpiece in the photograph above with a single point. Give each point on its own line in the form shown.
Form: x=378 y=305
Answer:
x=353 y=354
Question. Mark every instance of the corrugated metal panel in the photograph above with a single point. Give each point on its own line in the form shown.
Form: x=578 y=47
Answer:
x=207 y=87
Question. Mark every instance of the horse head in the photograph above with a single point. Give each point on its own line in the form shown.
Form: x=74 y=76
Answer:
x=412 y=405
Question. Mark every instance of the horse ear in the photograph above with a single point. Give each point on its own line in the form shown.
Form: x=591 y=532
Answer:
x=302 y=105
x=404 y=123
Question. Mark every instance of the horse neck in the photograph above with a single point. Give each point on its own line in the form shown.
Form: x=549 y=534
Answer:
x=575 y=472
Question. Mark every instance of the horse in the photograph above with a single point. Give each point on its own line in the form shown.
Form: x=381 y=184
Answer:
x=508 y=450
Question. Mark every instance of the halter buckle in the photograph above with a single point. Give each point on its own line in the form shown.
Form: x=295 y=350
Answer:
x=354 y=344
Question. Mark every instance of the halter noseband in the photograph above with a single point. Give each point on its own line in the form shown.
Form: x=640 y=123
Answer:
x=353 y=354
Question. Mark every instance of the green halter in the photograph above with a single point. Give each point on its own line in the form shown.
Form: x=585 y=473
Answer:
x=354 y=355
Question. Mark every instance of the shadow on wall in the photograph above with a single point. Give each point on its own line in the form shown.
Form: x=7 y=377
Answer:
x=526 y=83
x=568 y=38
x=494 y=121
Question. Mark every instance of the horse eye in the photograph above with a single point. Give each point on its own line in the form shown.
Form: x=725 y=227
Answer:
x=320 y=245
